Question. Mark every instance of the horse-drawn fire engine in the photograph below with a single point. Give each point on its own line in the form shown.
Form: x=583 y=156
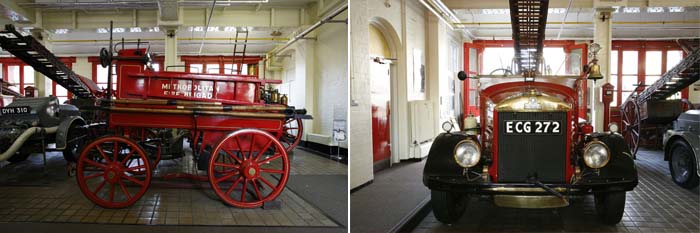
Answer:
x=239 y=129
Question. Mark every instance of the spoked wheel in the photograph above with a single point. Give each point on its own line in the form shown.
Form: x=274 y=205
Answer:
x=291 y=133
x=631 y=125
x=248 y=168
x=107 y=177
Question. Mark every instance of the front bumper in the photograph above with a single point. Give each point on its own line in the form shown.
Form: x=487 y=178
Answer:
x=581 y=187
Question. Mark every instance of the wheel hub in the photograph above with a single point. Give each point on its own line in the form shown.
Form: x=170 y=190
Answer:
x=250 y=170
x=112 y=173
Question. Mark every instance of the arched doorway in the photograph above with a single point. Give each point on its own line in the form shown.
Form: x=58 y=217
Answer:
x=383 y=51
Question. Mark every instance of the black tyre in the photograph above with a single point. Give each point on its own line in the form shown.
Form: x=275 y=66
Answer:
x=18 y=157
x=448 y=207
x=75 y=141
x=683 y=165
x=610 y=206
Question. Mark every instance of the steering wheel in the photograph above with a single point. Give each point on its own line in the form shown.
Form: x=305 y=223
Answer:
x=504 y=70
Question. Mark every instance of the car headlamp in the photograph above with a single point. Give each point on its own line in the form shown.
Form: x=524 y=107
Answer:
x=51 y=110
x=614 y=128
x=596 y=154
x=467 y=153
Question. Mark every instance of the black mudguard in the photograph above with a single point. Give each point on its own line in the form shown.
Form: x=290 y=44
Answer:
x=621 y=166
x=441 y=160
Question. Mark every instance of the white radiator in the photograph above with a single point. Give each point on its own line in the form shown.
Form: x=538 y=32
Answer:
x=422 y=127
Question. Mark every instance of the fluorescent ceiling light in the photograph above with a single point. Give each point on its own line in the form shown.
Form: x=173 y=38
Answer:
x=631 y=10
x=61 y=31
x=213 y=29
x=118 y=30
x=229 y=29
x=556 y=10
x=102 y=30
x=495 y=11
x=154 y=29
x=135 y=29
x=676 y=9
x=655 y=9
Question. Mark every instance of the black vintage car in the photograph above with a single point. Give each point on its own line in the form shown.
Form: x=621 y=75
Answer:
x=28 y=125
x=529 y=150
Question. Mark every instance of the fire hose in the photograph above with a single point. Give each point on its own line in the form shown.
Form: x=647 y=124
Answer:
x=23 y=138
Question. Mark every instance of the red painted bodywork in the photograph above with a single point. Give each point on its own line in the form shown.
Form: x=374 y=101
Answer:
x=136 y=82
x=500 y=92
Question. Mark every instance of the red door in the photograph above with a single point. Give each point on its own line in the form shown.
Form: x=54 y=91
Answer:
x=380 y=95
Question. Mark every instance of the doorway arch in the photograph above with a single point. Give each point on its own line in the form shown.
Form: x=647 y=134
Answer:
x=394 y=57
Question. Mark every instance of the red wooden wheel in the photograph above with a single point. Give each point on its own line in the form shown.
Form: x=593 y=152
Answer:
x=291 y=133
x=631 y=125
x=248 y=168
x=107 y=174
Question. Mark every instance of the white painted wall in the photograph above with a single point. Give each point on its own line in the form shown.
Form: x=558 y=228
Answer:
x=410 y=21
x=331 y=72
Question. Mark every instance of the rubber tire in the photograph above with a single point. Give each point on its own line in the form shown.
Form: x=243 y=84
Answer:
x=693 y=180
x=610 y=206
x=68 y=154
x=18 y=157
x=448 y=207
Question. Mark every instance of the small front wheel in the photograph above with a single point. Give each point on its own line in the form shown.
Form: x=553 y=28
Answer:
x=610 y=206
x=107 y=175
x=448 y=207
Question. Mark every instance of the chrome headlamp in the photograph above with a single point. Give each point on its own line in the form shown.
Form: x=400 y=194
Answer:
x=614 y=128
x=467 y=153
x=596 y=154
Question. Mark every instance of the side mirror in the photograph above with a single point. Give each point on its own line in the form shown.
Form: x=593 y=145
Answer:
x=462 y=75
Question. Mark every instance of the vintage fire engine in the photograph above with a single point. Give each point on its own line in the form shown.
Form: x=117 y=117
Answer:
x=234 y=124
x=529 y=148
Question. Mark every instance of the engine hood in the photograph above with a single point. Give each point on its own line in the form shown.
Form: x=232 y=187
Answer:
x=532 y=100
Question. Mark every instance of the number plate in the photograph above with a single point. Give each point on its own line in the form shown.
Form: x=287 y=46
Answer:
x=19 y=110
x=533 y=127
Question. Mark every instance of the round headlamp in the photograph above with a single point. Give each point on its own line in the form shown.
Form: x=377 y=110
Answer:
x=596 y=154
x=467 y=153
x=614 y=128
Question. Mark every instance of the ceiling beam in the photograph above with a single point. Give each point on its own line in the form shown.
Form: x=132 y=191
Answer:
x=10 y=10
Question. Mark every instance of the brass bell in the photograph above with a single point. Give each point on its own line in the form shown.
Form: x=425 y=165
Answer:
x=594 y=72
x=284 y=100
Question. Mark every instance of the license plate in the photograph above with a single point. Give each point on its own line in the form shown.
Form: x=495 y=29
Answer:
x=19 y=110
x=533 y=127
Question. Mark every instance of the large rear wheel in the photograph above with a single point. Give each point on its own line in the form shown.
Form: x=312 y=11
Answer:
x=248 y=168
x=448 y=207
x=107 y=175
x=631 y=125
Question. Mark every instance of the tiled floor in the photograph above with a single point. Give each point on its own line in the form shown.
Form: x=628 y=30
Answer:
x=30 y=196
x=655 y=205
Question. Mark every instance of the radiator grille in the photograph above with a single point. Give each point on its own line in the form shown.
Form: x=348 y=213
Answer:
x=524 y=155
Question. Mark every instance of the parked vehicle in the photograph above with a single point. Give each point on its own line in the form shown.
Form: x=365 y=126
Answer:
x=681 y=149
x=28 y=125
